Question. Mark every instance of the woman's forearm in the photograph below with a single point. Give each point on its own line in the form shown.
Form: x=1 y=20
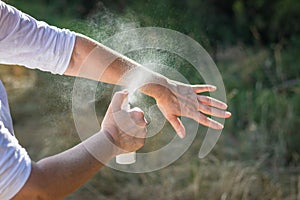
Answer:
x=95 y=61
x=57 y=176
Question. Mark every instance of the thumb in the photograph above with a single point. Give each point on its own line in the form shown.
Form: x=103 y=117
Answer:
x=118 y=100
x=177 y=125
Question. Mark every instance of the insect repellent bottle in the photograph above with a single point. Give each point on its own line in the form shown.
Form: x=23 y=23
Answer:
x=126 y=158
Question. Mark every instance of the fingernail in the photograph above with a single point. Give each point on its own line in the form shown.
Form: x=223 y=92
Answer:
x=228 y=113
x=146 y=120
x=213 y=87
x=221 y=126
x=180 y=135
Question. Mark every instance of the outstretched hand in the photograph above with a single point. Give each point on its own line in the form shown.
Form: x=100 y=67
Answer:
x=180 y=99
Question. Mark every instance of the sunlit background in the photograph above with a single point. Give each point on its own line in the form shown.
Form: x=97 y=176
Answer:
x=256 y=46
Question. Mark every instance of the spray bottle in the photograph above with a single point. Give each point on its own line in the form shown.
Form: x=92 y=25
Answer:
x=126 y=158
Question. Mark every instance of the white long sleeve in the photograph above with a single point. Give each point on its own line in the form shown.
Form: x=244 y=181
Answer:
x=15 y=164
x=34 y=44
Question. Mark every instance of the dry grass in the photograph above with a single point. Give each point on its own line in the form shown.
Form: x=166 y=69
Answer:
x=44 y=125
x=194 y=180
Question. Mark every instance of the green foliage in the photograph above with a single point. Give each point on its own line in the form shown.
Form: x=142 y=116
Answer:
x=256 y=46
x=268 y=21
x=211 y=22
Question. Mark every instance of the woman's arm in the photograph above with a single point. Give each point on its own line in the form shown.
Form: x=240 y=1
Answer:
x=93 y=60
x=57 y=176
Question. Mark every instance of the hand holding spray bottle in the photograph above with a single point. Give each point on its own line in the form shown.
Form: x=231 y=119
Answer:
x=126 y=158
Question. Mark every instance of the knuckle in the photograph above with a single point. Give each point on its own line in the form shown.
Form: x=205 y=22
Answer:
x=208 y=109
x=202 y=117
x=137 y=115
x=142 y=123
x=142 y=142
x=119 y=93
x=207 y=120
x=137 y=110
x=189 y=112
x=201 y=97
x=209 y=100
x=141 y=134
x=205 y=109
x=140 y=114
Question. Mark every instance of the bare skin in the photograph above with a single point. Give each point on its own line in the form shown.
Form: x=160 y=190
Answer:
x=57 y=176
x=174 y=99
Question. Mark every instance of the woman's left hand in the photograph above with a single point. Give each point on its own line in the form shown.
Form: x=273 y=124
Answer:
x=178 y=99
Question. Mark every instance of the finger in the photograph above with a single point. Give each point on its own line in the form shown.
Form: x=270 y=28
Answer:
x=214 y=111
x=206 y=121
x=140 y=140
x=141 y=134
x=118 y=100
x=206 y=100
x=204 y=88
x=177 y=125
x=137 y=115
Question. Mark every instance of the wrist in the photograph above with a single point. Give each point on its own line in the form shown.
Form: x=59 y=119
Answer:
x=156 y=86
x=113 y=138
x=101 y=146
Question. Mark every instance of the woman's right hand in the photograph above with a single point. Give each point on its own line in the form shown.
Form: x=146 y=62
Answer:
x=125 y=128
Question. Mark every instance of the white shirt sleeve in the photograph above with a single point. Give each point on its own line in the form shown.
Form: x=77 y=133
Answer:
x=15 y=165
x=34 y=44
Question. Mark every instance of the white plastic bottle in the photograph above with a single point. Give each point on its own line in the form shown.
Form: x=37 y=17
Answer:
x=126 y=158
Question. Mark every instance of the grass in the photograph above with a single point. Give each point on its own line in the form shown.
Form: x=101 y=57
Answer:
x=256 y=157
x=259 y=145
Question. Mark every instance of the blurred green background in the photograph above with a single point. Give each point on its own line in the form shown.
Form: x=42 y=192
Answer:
x=256 y=46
